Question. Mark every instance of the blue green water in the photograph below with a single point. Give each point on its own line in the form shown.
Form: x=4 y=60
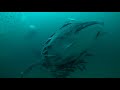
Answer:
x=22 y=35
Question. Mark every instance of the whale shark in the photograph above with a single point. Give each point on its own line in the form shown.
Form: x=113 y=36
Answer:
x=66 y=49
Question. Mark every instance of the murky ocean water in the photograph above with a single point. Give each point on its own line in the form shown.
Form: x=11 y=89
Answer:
x=22 y=36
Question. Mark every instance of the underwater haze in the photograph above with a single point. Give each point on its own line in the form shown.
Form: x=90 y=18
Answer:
x=23 y=34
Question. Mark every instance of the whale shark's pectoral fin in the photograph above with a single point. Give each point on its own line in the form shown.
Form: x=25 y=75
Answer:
x=29 y=69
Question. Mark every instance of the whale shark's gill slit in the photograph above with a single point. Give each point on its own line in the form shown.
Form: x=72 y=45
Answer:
x=49 y=46
x=44 y=49
x=45 y=52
